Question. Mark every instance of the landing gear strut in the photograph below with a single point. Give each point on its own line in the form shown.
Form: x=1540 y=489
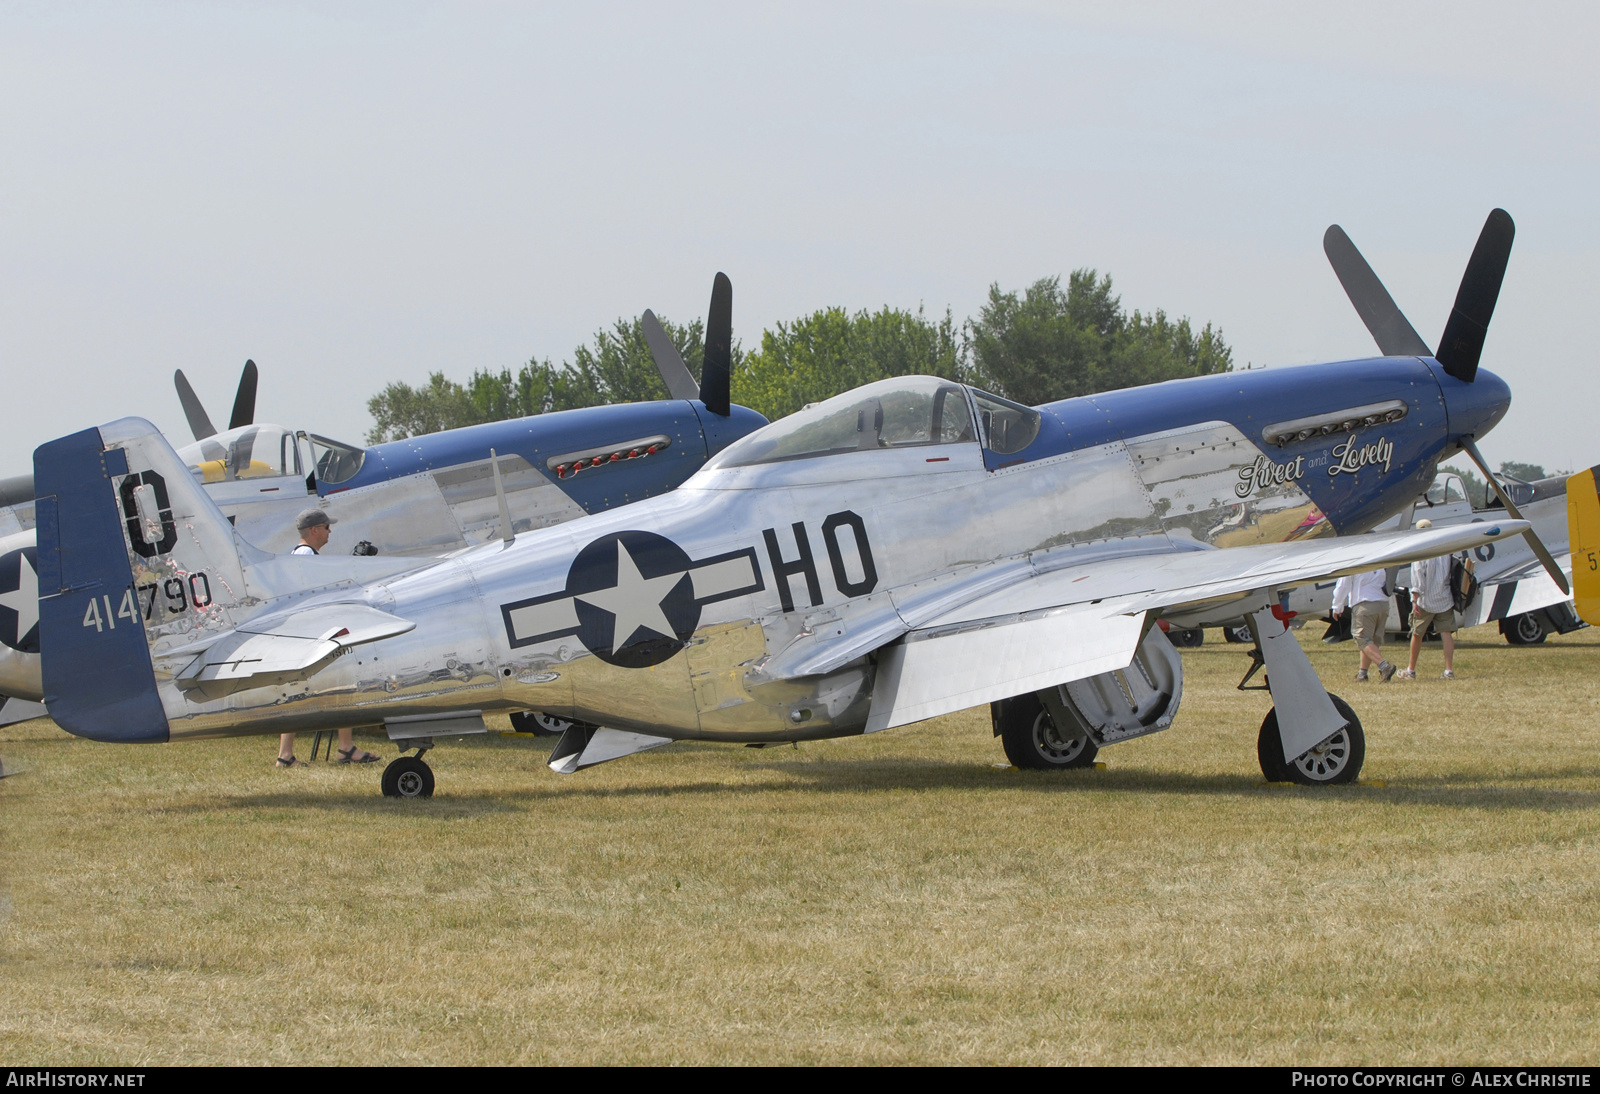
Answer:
x=1309 y=736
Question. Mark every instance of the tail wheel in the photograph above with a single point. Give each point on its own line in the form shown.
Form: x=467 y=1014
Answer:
x=1334 y=761
x=1031 y=738
x=408 y=777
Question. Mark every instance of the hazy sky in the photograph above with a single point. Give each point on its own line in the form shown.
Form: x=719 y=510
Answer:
x=353 y=194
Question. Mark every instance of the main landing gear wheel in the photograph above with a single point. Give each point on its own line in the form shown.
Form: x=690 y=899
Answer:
x=1031 y=739
x=1526 y=629
x=408 y=777
x=1336 y=760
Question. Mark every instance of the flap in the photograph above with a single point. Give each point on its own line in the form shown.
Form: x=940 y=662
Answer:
x=936 y=671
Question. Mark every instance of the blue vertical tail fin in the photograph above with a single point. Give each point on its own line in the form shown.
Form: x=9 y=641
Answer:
x=132 y=555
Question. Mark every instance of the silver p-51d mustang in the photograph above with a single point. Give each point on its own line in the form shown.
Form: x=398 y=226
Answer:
x=900 y=551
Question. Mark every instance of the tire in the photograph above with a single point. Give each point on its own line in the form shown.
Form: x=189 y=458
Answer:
x=1188 y=638
x=408 y=777
x=1337 y=760
x=1526 y=629
x=539 y=723
x=1029 y=736
x=1238 y=633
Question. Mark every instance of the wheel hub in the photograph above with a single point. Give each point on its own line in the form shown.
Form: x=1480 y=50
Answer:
x=1051 y=744
x=409 y=784
x=1326 y=760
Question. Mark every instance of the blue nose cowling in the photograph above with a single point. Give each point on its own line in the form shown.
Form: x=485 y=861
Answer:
x=1473 y=409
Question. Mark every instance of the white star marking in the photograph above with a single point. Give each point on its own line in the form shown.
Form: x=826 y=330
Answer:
x=24 y=599
x=635 y=600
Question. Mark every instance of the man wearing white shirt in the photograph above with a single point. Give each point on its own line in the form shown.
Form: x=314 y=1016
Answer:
x=1368 y=603
x=1432 y=605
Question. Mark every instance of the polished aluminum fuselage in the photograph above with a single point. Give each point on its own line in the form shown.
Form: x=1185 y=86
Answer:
x=787 y=660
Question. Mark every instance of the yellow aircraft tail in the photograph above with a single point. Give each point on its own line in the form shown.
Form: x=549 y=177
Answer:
x=1583 y=532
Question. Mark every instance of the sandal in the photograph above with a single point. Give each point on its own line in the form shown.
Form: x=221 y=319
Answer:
x=348 y=756
x=291 y=762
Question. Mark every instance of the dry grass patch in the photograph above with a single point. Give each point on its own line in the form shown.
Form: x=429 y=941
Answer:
x=890 y=899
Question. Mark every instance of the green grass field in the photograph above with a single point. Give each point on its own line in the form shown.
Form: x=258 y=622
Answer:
x=898 y=898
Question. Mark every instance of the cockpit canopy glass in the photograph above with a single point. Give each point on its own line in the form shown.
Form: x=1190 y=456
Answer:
x=901 y=412
x=1007 y=427
x=335 y=461
x=248 y=452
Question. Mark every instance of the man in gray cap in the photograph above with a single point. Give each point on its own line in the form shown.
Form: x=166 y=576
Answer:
x=315 y=527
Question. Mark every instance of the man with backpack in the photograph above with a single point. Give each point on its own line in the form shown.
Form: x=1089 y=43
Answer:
x=1433 y=605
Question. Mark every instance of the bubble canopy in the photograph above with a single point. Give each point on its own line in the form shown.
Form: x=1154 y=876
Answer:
x=267 y=451
x=900 y=412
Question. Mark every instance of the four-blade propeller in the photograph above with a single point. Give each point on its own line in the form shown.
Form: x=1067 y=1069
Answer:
x=1460 y=347
x=716 y=372
x=244 y=403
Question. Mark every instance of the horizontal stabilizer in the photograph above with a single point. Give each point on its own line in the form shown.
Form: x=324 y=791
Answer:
x=280 y=648
x=1506 y=598
x=14 y=710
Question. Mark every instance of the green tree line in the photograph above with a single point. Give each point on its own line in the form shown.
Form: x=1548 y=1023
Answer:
x=1045 y=343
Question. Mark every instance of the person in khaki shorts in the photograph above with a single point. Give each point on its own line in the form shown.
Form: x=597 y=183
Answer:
x=1432 y=605
x=1365 y=596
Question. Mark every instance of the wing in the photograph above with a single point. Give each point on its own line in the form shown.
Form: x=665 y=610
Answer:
x=1078 y=620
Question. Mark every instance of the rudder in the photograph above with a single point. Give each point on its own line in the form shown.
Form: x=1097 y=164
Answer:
x=1583 y=539
x=132 y=554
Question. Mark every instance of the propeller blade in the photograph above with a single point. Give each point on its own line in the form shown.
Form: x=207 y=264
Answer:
x=669 y=362
x=1462 y=342
x=1395 y=335
x=244 y=401
x=1511 y=510
x=716 y=378
x=199 y=423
